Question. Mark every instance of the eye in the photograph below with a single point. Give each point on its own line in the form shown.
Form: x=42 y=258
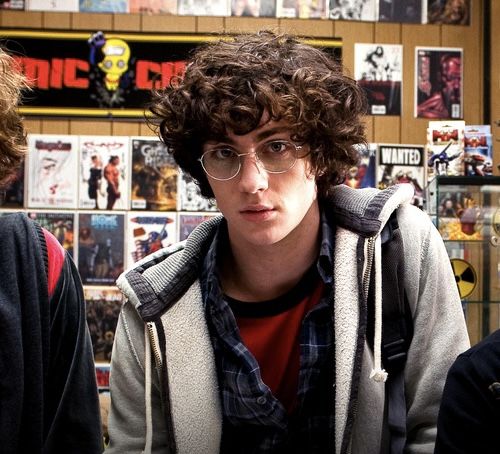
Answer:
x=222 y=154
x=278 y=147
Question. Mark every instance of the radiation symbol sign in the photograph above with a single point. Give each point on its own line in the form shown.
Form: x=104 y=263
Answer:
x=496 y=222
x=465 y=275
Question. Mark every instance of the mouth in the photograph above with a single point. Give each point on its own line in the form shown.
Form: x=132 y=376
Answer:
x=257 y=213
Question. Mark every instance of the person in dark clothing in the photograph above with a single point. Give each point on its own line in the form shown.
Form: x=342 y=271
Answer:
x=469 y=416
x=48 y=392
x=95 y=180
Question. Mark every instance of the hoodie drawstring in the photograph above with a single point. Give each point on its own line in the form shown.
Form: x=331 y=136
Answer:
x=147 y=378
x=378 y=374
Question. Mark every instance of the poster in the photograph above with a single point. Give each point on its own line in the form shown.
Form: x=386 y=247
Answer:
x=104 y=172
x=154 y=176
x=153 y=6
x=438 y=83
x=105 y=74
x=52 y=171
x=253 y=8
x=363 y=175
x=478 y=152
x=402 y=164
x=403 y=11
x=148 y=232
x=52 y=5
x=451 y=12
x=189 y=221
x=364 y=10
x=60 y=223
x=378 y=70
x=190 y=198
x=101 y=254
x=303 y=9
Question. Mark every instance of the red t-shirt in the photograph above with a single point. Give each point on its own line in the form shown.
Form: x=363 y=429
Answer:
x=271 y=331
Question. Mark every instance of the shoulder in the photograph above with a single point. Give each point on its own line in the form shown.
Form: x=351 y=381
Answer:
x=484 y=356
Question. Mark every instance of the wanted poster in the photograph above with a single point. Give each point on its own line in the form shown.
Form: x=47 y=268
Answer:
x=402 y=164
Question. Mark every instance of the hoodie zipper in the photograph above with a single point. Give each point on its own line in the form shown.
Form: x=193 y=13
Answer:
x=154 y=343
x=370 y=251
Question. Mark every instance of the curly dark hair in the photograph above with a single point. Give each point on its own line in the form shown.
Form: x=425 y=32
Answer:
x=13 y=145
x=230 y=83
x=12 y=134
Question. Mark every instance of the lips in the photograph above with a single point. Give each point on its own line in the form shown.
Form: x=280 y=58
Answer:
x=257 y=213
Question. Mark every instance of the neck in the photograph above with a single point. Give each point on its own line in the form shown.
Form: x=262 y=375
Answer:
x=250 y=273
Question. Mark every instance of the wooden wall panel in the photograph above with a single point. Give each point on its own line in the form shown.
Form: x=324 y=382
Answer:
x=351 y=33
x=413 y=130
x=387 y=129
x=85 y=127
x=209 y=24
x=92 y=21
x=127 y=22
x=125 y=128
x=311 y=28
x=21 y=19
x=56 y=20
x=249 y=24
x=54 y=126
x=161 y=23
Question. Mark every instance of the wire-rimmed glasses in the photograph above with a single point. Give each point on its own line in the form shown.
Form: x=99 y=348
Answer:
x=223 y=163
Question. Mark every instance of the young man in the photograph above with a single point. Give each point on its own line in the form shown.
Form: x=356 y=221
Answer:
x=262 y=332
x=48 y=391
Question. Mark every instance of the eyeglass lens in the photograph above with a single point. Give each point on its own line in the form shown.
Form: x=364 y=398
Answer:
x=224 y=163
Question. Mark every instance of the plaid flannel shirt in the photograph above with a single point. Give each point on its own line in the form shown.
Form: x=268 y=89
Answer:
x=254 y=421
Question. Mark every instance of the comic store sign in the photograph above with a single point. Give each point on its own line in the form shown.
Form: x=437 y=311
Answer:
x=104 y=74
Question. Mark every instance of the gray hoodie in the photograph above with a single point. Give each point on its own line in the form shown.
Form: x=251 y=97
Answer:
x=164 y=392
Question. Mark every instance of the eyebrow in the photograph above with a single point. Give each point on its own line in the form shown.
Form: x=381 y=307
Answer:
x=260 y=136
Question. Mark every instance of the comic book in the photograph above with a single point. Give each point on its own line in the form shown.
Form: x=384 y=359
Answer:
x=456 y=12
x=52 y=171
x=104 y=172
x=478 y=152
x=148 y=232
x=253 y=8
x=12 y=4
x=60 y=223
x=52 y=5
x=204 y=7
x=363 y=175
x=403 y=11
x=365 y=10
x=402 y=164
x=102 y=377
x=188 y=221
x=103 y=306
x=12 y=194
x=438 y=83
x=445 y=148
x=303 y=9
x=190 y=198
x=153 y=6
x=378 y=70
x=154 y=176
x=103 y=6
x=101 y=254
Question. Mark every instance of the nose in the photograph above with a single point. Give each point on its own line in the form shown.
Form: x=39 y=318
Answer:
x=252 y=177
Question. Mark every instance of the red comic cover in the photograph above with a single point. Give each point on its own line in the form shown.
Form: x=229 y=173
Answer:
x=148 y=232
x=438 y=83
x=101 y=254
x=154 y=176
x=52 y=171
